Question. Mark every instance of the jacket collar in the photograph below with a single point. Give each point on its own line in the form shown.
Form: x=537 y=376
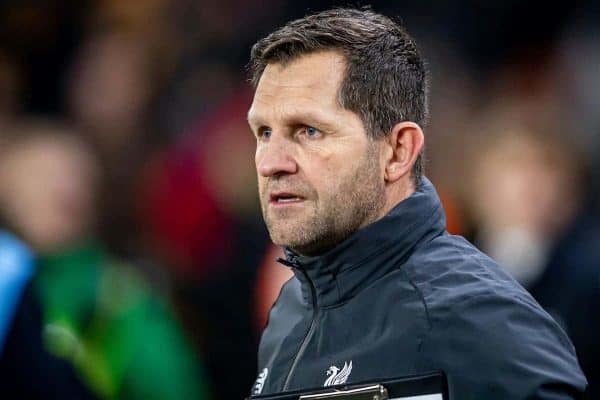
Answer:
x=339 y=274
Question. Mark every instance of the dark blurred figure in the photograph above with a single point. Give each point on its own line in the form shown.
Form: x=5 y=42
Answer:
x=114 y=83
x=530 y=202
x=98 y=312
x=109 y=97
x=27 y=369
x=201 y=215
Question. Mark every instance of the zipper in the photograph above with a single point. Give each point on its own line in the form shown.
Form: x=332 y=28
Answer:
x=311 y=329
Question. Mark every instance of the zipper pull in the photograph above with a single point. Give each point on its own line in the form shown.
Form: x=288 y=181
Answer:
x=286 y=262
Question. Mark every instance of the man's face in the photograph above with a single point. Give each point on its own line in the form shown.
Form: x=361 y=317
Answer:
x=319 y=175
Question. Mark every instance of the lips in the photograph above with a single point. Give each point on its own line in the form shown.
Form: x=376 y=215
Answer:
x=282 y=198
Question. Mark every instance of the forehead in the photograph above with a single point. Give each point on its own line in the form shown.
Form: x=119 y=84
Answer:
x=309 y=83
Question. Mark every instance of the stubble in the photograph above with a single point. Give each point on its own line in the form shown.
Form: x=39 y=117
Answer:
x=350 y=203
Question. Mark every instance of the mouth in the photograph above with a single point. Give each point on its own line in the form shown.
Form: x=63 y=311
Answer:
x=284 y=198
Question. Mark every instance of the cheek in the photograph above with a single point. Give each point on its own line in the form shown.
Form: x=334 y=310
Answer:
x=257 y=156
x=326 y=166
x=335 y=165
x=321 y=151
x=326 y=177
x=262 y=184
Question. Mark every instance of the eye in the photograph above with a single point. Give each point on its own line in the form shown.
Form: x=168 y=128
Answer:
x=310 y=131
x=264 y=133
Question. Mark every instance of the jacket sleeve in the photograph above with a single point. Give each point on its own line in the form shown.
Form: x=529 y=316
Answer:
x=494 y=347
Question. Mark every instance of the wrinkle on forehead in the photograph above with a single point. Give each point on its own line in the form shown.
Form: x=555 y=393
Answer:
x=309 y=84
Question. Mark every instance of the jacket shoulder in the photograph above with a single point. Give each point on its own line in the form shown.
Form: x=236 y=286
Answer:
x=486 y=332
x=449 y=269
x=497 y=347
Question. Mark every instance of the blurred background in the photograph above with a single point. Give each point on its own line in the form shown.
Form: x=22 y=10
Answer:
x=134 y=262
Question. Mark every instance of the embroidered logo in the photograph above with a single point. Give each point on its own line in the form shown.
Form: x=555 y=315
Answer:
x=260 y=381
x=337 y=377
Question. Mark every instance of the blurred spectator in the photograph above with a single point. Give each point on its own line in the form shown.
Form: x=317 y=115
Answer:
x=27 y=369
x=98 y=312
x=525 y=191
x=184 y=225
x=200 y=211
x=580 y=63
x=110 y=93
x=529 y=200
x=48 y=179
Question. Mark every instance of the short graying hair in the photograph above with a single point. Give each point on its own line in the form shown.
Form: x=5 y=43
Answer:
x=385 y=80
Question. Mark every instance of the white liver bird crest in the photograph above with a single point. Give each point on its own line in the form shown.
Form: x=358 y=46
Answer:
x=337 y=377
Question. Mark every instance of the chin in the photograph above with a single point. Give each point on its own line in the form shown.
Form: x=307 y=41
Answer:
x=283 y=240
x=291 y=233
x=286 y=239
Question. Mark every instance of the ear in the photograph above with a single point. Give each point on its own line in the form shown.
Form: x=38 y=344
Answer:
x=406 y=140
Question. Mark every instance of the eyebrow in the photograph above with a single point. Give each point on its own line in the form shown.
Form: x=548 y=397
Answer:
x=307 y=118
x=253 y=120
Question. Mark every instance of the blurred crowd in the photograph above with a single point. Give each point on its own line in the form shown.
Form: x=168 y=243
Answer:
x=133 y=258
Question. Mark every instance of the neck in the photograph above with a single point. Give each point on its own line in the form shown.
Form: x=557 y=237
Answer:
x=371 y=252
x=395 y=193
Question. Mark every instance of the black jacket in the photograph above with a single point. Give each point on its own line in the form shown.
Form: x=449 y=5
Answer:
x=27 y=369
x=403 y=297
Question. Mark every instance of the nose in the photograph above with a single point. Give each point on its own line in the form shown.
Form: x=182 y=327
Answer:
x=275 y=158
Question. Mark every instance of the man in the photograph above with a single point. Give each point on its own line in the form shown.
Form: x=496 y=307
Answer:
x=381 y=290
